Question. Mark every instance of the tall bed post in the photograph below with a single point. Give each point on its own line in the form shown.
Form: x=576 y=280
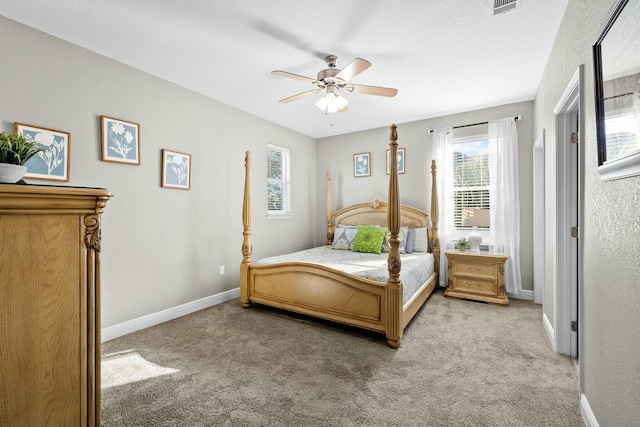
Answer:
x=246 y=242
x=329 y=211
x=393 y=288
x=435 y=240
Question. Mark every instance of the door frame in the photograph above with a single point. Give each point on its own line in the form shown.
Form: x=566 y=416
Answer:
x=569 y=213
x=538 y=218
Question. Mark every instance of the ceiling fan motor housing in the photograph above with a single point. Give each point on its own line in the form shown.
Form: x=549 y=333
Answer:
x=327 y=77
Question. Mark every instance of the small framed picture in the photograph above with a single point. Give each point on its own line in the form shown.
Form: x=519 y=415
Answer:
x=176 y=170
x=362 y=164
x=400 y=158
x=53 y=162
x=120 y=141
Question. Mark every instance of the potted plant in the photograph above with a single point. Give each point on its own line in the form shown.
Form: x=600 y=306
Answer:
x=15 y=150
x=462 y=243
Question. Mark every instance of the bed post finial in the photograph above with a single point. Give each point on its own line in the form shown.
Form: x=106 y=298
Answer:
x=246 y=233
x=329 y=211
x=393 y=288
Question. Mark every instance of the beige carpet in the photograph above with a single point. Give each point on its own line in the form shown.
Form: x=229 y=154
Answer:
x=461 y=363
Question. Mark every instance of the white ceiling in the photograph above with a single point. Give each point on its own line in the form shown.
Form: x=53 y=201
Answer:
x=444 y=56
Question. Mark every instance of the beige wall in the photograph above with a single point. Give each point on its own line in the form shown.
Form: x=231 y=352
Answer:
x=336 y=154
x=610 y=335
x=160 y=247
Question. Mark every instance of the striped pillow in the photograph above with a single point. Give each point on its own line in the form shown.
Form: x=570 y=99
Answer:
x=421 y=241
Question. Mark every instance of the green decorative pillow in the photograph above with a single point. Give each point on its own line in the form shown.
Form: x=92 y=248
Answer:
x=369 y=239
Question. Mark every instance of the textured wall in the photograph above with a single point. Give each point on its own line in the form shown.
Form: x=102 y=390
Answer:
x=336 y=154
x=161 y=247
x=611 y=295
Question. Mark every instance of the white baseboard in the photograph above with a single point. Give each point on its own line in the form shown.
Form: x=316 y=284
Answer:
x=525 y=294
x=550 y=331
x=153 y=319
x=587 y=414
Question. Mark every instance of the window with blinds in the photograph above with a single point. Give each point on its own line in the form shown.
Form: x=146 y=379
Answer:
x=470 y=176
x=278 y=181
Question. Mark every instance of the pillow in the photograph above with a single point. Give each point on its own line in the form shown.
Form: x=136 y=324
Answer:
x=343 y=237
x=421 y=242
x=411 y=236
x=369 y=239
x=403 y=240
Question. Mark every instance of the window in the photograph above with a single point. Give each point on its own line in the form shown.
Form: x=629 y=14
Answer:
x=470 y=176
x=278 y=181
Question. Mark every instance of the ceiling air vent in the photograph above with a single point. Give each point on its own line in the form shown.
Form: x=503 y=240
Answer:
x=501 y=6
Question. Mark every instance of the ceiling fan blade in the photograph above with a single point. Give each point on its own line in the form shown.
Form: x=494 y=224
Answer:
x=353 y=68
x=300 y=95
x=372 y=90
x=294 y=76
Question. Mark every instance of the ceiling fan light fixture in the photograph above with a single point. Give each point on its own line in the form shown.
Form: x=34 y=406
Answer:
x=332 y=102
x=341 y=102
x=332 y=106
x=322 y=104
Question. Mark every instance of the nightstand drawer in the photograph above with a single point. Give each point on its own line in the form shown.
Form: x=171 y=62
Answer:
x=488 y=287
x=476 y=269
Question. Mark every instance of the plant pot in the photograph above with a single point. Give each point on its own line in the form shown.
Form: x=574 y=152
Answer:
x=461 y=248
x=10 y=174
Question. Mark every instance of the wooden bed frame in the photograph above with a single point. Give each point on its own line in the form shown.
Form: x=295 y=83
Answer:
x=322 y=292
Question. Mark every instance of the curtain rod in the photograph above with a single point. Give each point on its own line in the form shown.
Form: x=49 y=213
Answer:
x=518 y=117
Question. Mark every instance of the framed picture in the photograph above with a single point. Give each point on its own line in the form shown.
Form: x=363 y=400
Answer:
x=362 y=164
x=616 y=57
x=400 y=158
x=176 y=170
x=53 y=162
x=120 y=141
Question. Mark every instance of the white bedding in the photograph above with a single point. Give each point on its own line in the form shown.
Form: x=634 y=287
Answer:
x=416 y=267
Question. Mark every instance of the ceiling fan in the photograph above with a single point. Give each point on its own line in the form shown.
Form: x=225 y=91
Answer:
x=333 y=80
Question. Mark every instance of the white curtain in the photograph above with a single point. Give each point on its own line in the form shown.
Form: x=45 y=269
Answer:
x=443 y=144
x=504 y=199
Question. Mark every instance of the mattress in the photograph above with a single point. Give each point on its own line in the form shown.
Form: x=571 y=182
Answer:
x=416 y=267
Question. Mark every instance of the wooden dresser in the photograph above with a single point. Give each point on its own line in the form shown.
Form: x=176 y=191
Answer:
x=477 y=276
x=50 y=305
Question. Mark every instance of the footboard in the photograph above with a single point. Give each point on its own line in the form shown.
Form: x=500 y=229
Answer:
x=318 y=291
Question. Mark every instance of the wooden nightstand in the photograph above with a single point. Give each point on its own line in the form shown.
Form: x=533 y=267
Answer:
x=477 y=276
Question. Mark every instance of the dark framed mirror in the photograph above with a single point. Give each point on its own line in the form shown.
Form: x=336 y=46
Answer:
x=616 y=56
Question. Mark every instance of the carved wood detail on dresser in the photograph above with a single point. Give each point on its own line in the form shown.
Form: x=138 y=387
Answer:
x=476 y=276
x=50 y=305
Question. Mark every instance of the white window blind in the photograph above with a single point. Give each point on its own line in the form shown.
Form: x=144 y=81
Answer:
x=278 y=181
x=470 y=176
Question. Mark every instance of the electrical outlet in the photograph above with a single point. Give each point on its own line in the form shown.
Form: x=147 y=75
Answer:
x=221 y=270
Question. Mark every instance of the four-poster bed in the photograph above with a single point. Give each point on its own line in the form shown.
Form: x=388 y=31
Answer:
x=334 y=292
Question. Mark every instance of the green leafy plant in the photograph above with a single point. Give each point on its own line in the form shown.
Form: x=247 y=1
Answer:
x=462 y=242
x=16 y=149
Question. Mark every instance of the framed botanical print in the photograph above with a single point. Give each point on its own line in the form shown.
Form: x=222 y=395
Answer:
x=176 y=170
x=399 y=158
x=362 y=164
x=53 y=162
x=120 y=141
